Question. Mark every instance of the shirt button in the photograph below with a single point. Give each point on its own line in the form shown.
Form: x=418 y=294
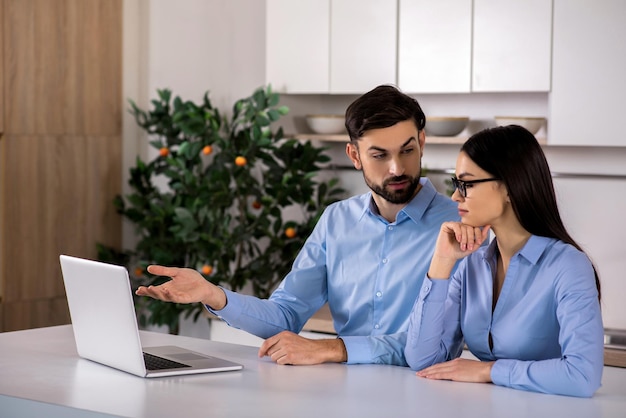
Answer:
x=385 y=261
x=390 y=228
x=376 y=326
x=379 y=294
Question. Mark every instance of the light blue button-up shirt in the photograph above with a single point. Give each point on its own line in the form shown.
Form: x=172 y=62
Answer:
x=546 y=327
x=368 y=270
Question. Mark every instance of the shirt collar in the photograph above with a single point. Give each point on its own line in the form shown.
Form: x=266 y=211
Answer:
x=413 y=210
x=531 y=251
x=535 y=247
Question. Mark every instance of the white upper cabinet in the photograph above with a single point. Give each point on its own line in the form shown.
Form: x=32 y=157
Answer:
x=363 y=44
x=330 y=46
x=588 y=98
x=512 y=46
x=297 y=45
x=435 y=46
x=424 y=46
x=462 y=46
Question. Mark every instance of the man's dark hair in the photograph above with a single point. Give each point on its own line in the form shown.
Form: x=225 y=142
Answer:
x=382 y=107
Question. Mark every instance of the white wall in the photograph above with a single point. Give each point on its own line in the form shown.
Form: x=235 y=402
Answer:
x=192 y=46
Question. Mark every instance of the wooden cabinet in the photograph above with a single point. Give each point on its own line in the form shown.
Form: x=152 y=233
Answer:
x=435 y=46
x=330 y=46
x=61 y=148
x=587 y=103
x=512 y=46
x=463 y=46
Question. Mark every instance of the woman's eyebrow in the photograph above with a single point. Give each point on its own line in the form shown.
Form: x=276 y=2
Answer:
x=464 y=174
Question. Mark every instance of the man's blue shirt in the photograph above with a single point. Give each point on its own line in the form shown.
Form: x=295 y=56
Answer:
x=369 y=271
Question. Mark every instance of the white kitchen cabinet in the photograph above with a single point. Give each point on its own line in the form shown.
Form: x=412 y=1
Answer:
x=363 y=44
x=297 y=45
x=435 y=46
x=588 y=99
x=512 y=46
x=462 y=46
x=330 y=46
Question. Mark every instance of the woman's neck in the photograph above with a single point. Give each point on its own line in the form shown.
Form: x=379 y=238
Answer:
x=510 y=240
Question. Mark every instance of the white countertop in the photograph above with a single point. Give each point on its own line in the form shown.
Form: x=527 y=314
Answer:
x=41 y=375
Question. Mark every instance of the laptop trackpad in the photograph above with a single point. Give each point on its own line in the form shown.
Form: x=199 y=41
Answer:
x=187 y=356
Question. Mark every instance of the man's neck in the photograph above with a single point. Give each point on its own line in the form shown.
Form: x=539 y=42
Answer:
x=389 y=210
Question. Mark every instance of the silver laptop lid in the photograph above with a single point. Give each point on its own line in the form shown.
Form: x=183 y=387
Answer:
x=105 y=326
x=103 y=314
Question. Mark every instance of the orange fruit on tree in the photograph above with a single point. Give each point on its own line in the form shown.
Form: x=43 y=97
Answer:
x=256 y=204
x=207 y=149
x=241 y=161
x=138 y=271
x=207 y=270
x=290 y=232
x=164 y=152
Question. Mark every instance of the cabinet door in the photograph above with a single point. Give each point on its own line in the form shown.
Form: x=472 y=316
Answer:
x=512 y=45
x=363 y=45
x=297 y=45
x=435 y=46
x=588 y=99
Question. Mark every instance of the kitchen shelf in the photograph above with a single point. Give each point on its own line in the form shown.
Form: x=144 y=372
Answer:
x=453 y=140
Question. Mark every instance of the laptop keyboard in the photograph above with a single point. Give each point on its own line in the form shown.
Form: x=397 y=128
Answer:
x=159 y=363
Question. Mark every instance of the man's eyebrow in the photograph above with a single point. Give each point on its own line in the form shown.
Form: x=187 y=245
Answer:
x=408 y=141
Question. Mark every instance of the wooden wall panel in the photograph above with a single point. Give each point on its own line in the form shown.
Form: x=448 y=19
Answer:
x=2 y=73
x=63 y=66
x=61 y=202
x=60 y=156
x=36 y=313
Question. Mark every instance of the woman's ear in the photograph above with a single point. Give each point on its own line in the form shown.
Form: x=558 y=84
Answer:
x=352 y=151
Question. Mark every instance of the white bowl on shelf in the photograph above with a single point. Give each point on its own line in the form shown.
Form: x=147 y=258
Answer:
x=533 y=124
x=445 y=125
x=326 y=124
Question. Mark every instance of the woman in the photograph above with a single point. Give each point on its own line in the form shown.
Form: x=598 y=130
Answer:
x=527 y=305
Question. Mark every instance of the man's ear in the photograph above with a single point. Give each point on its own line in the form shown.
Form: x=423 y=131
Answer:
x=421 y=140
x=352 y=151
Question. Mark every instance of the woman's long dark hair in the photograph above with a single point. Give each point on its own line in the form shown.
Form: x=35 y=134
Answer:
x=512 y=154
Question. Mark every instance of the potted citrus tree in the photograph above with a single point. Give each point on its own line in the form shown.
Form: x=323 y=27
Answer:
x=217 y=196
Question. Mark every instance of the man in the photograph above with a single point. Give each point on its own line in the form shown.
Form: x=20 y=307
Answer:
x=366 y=257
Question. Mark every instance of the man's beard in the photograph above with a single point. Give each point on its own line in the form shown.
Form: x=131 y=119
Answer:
x=397 y=197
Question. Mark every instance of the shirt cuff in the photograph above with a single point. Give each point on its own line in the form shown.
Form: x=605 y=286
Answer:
x=232 y=308
x=501 y=372
x=358 y=349
x=434 y=290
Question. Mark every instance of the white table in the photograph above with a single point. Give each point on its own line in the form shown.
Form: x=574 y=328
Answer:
x=41 y=375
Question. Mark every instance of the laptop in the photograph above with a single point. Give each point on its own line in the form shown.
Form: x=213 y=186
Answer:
x=105 y=326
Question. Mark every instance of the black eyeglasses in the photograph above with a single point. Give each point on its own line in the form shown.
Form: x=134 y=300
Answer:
x=462 y=185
